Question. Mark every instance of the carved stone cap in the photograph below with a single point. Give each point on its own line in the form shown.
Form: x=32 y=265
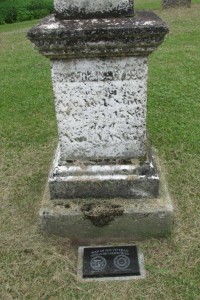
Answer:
x=86 y=9
x=137 y=36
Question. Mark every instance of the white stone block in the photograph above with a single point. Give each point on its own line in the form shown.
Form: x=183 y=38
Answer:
x=101 y=107
x=91 y=6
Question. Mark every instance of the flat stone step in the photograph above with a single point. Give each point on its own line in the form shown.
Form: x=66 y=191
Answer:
x=136 y=180
x=108 y=219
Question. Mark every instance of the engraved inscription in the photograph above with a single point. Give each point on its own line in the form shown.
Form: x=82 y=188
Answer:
x=101 y=107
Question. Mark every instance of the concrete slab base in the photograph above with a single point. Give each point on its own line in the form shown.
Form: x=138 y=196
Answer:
x=107 y=220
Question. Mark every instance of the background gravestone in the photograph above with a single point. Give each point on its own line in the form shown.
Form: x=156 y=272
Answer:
x=104 y=181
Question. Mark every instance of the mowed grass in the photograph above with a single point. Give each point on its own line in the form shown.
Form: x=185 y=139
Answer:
x=36 y=267
x=152 y=4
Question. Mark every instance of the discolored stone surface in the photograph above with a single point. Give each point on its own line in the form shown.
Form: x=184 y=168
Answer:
x=78 y=179
x=101 y=107
x=84 y=9
x=101 y=214
x=104 y=181
x=135 y=36
x=80 y=219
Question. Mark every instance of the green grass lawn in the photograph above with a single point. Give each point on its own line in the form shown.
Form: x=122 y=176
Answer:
x=36 y=267
x=153 y=4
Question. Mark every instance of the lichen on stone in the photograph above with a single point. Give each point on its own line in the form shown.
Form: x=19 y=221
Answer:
x=101 y=214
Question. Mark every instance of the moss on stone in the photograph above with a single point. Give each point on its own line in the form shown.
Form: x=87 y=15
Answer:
x=101 y=214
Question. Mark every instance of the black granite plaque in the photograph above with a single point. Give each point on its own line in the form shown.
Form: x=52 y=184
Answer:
x=110 y=262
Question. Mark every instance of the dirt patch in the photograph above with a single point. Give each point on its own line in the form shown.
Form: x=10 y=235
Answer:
x=102 y=214
x=61 y=204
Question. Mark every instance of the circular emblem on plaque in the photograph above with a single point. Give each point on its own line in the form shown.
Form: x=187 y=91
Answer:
x=122 y=262
x=98 y=263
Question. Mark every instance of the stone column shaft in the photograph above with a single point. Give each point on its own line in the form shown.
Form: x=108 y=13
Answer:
x=101 y=107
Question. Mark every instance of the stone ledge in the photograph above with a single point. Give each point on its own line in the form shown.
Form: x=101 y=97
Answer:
x=133 y=36
x=136 y=179
x=110 y=219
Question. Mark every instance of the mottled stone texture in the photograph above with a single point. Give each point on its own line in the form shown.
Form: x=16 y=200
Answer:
x=98 y=52
x=110 y=37
x=101 y=107
x=105 y=220
x=175 y=3
x=84 y=9
x=99 y=75
x=133 y=179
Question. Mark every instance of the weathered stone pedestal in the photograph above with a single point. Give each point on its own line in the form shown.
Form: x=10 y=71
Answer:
x=105 y=181
x=175 y=3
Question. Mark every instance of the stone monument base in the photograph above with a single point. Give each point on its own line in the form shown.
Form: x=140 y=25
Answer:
x=120 y=219
x=104 y=178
